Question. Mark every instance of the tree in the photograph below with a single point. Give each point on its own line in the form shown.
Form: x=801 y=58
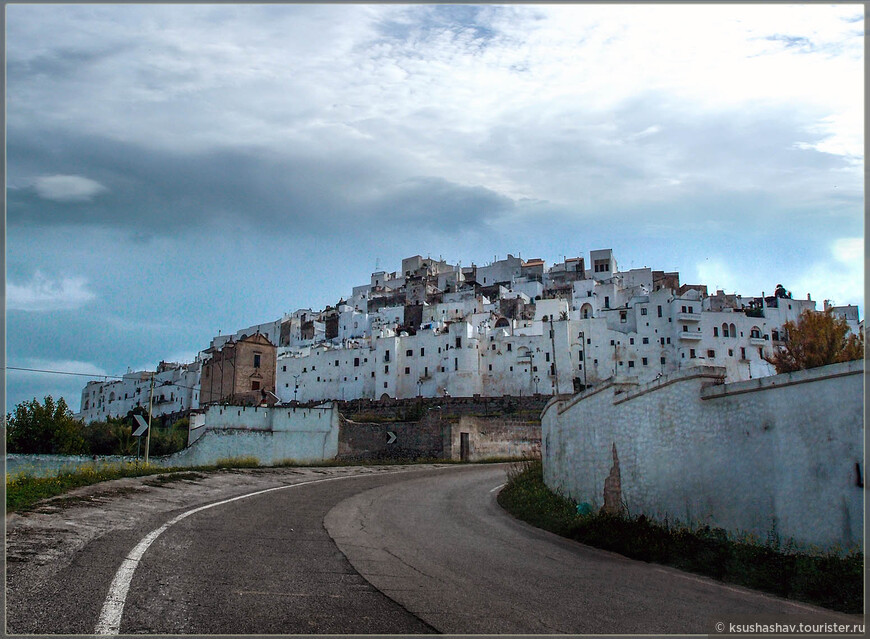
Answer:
x=44 y=428
x=816 y=339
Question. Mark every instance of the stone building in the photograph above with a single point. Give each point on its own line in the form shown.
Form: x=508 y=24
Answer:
x=242 y=372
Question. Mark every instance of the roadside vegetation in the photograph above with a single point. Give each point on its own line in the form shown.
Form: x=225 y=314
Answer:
x=50 y=428
x=773 y=565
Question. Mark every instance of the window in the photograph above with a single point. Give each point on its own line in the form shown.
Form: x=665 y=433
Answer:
x=356 y=361
x=490 y=367
x=623 y=316
x=588 y=340
x=458 y=342
x=256 y=360
x=668 y=340
x=742 y=353
x=662 y=360
x=385 y=384
x=548 y=356
x=456 y=363
x=715 y=331
x=336 y=362
x=580 y=355
x=660 y=311
x=407 y=370
x=493 y=347
x=509 y=347
x=643 y=310
x=284 y=369
x=631 y=340
x=760 y=352
x=631 y=363
x=662 y=340
x=612 y=343
x=644 y=361
x=255 y=385
x=692 y=353
x=426 y=372
x=386 y=356
x=730 y=352
x=685 y=328
x=386 y=369
x=422 y=352
x=606 y=302
x=682 y=309
x=646 y=340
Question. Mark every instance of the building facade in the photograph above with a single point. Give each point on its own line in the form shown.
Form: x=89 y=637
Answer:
x=511 y=327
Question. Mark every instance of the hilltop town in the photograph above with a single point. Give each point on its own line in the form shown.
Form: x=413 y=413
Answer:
x=510 y=328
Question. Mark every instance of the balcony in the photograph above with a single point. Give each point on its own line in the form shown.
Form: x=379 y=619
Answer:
x=693 y=336
x=757 y=341
x=689 y=317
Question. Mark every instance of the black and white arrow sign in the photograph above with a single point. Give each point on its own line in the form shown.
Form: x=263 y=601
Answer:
x=392 y=437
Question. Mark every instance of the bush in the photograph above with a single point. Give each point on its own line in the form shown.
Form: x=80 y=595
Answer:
x=44 y=428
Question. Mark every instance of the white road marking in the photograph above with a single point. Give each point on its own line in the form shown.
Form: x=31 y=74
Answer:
x=110 y=616
x=497 y=487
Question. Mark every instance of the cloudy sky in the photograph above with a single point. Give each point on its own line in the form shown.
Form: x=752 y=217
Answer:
x=175 y=171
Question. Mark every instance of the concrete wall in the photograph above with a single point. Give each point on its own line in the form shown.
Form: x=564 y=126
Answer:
x=497 y=437
x=777 y=453
x=269 y=434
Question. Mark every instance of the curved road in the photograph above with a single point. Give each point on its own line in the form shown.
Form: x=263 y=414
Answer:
x=398 y=551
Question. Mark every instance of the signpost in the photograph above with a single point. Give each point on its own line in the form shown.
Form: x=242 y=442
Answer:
x=143 y=426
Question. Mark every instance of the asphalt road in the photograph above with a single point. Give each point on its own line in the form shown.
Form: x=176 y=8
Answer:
x=423 y=550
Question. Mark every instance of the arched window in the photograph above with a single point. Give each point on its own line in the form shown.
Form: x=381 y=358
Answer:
x=733 y=331
x=725 y=330
x=502 y=322
x=755 y=332
x=112 y=397
x=586 y=311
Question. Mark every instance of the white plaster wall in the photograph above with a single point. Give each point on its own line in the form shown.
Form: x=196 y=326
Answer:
x=271 y=435
x=778 y=451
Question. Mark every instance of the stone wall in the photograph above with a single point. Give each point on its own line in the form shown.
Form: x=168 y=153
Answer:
x=412 y=409
x=776 y=455
x=427 y=438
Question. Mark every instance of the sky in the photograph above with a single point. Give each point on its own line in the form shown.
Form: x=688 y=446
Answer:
x=176 y=171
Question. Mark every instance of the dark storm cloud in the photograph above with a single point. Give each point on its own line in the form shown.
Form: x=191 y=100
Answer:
x=152 y=191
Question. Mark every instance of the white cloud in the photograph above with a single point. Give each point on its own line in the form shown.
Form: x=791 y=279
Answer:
x=30 y=384
x=67 y=188
x=44 y=294
x=841 y=277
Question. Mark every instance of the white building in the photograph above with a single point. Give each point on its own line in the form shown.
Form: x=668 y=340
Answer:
x=512 y=327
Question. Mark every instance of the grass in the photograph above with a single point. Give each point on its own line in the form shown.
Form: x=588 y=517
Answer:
x=24 y=490
x=826 y=579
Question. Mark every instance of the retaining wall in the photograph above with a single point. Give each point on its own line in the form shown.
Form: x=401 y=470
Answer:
x=271 y=435
x=776 y=455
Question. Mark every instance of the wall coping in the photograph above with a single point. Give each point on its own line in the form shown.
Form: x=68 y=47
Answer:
x=714 y=373
x=831 y=371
